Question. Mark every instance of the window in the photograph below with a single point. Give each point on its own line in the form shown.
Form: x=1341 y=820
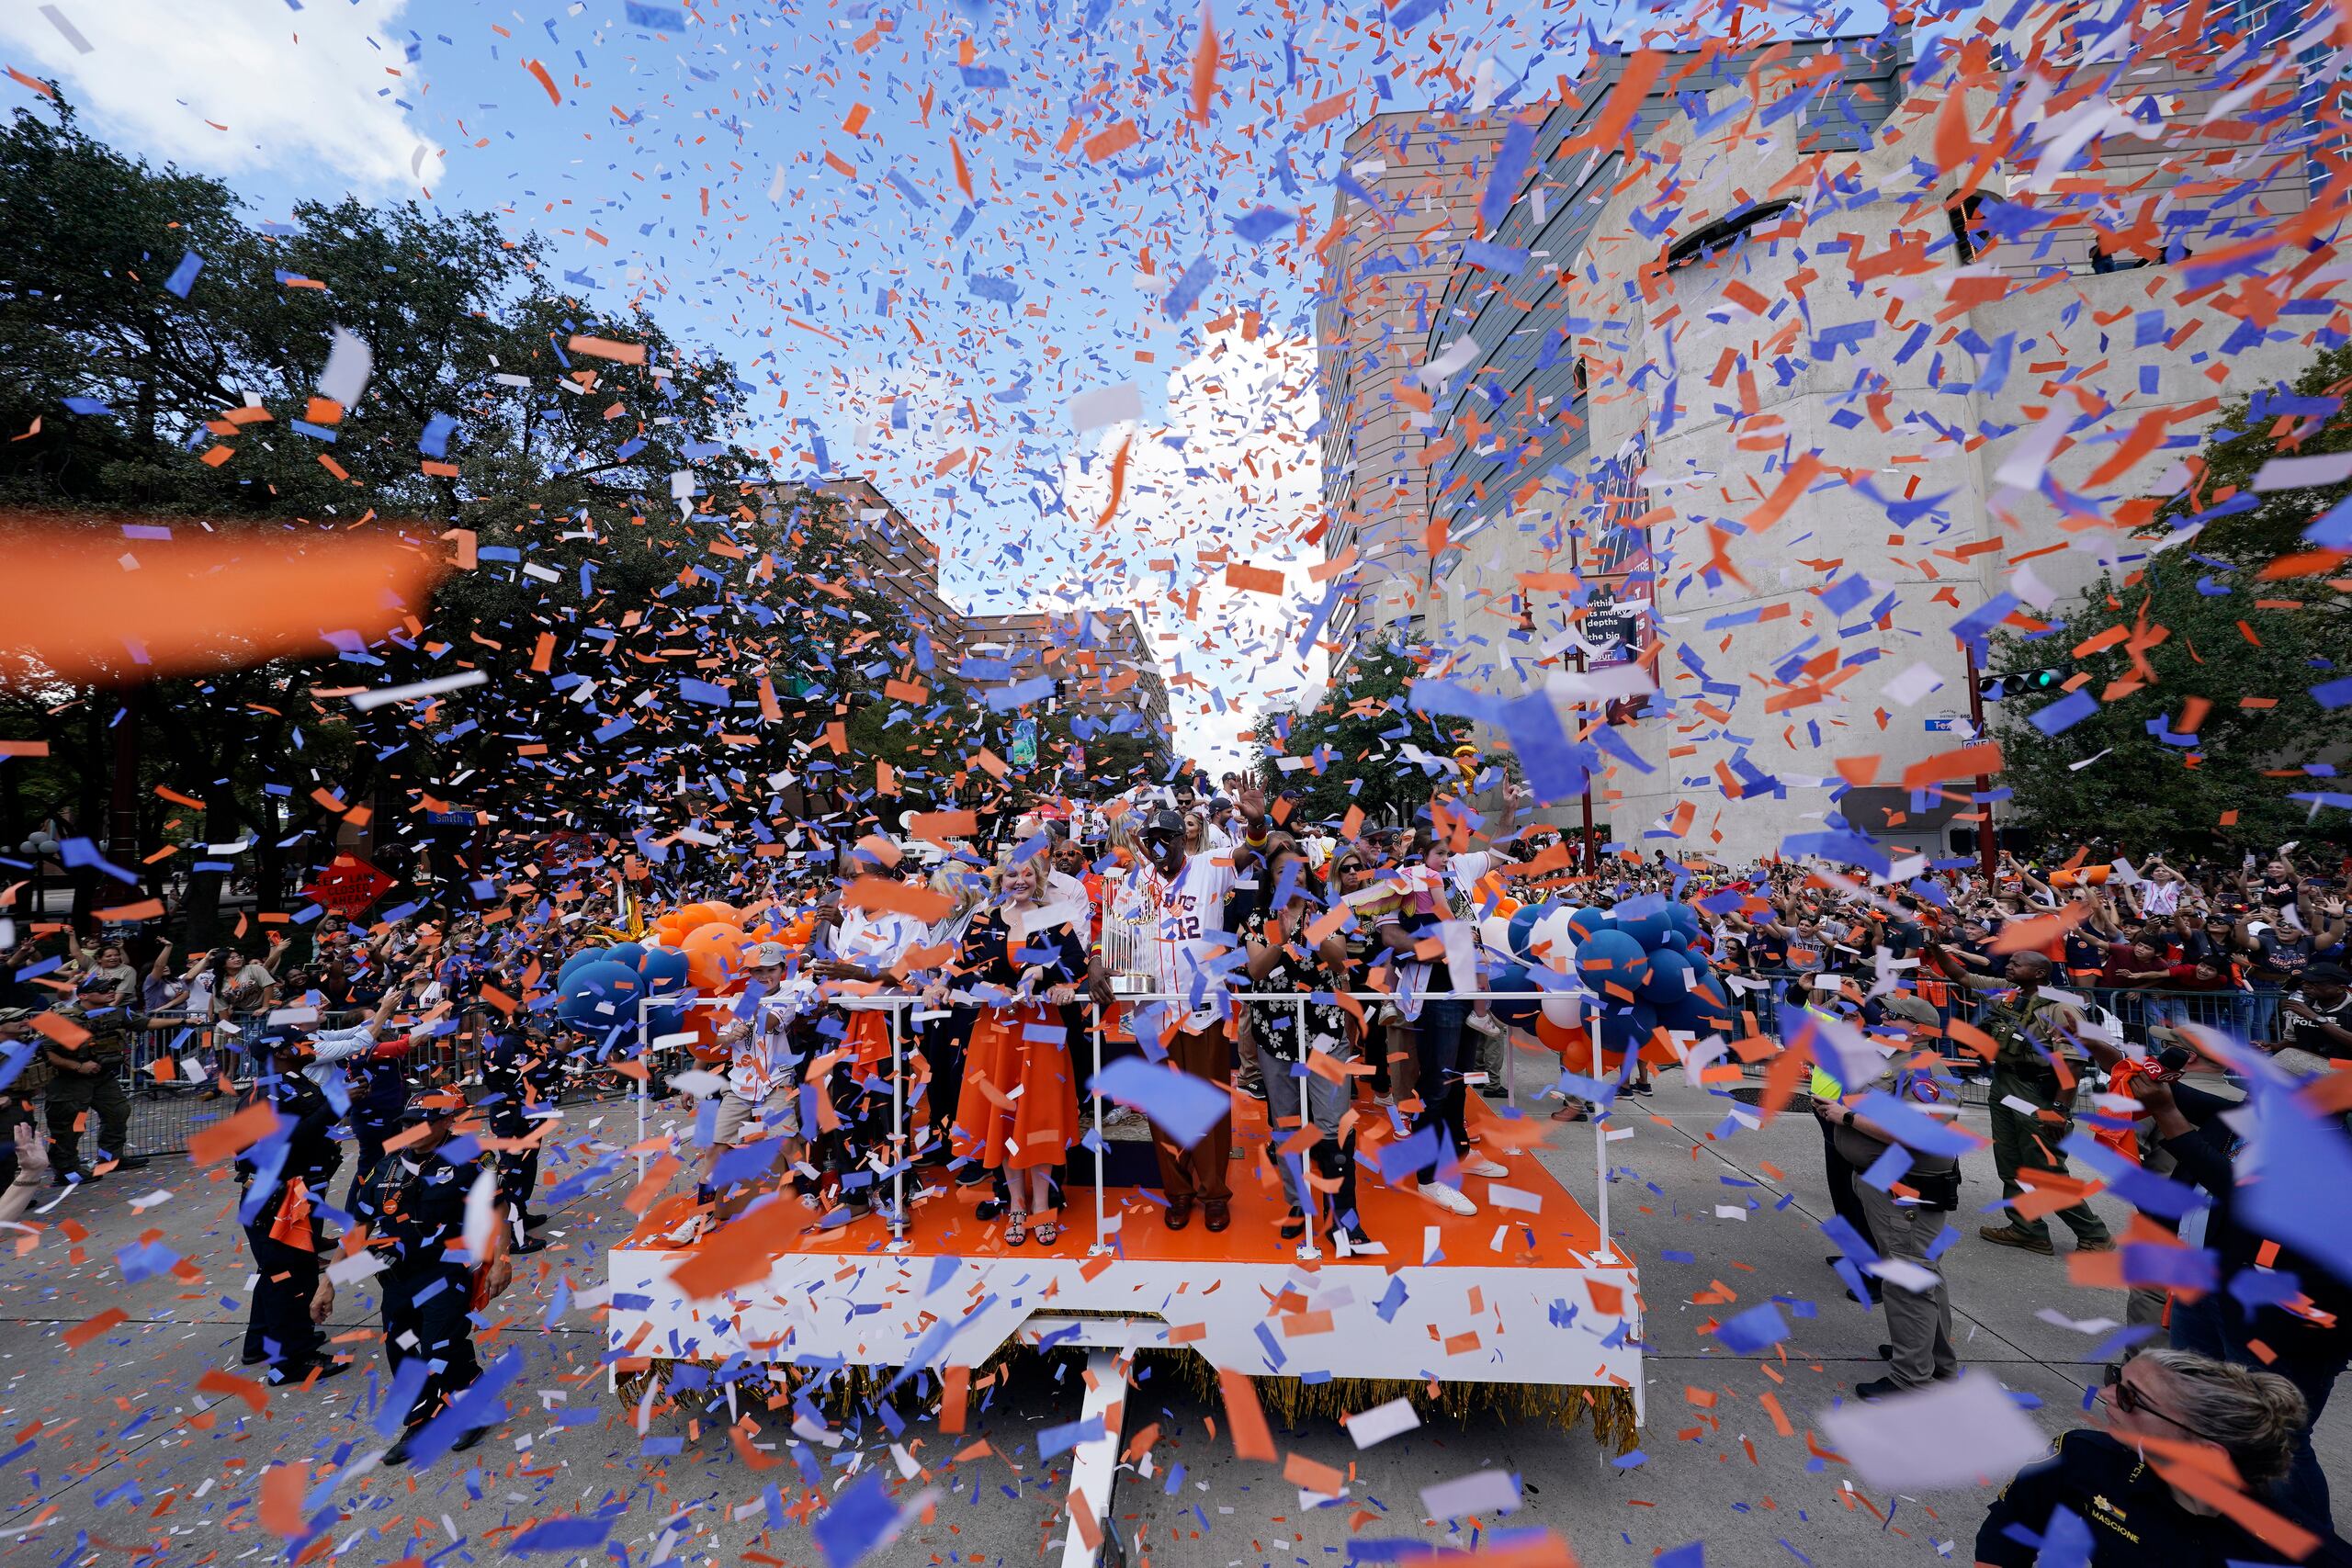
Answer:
x=1722 y=239
x=1970 y=234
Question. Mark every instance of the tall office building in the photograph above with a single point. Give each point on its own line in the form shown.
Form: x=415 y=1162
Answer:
x=1408 y=198
x=1789 y=408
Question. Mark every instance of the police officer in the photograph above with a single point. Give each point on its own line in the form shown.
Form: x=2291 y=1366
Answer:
x=284 y=1179
x=89 y=1078
x=521 y=1078
x=416 y=1197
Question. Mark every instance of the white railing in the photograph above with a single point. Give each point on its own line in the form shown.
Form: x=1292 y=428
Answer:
x=897 y=1003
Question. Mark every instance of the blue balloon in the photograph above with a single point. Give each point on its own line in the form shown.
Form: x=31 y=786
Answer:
x=576 y=963
x=1629 y=1029
x=1649 y=930
x=1522 y=927
x=664 y=969
x=1669 y=979
x=1676 y=941
x=664 y=1018
x=1609 y=958
x=628 y=953
x=1685 y=920
x=1514 y=978
x=601 y=995
x=1587 y=923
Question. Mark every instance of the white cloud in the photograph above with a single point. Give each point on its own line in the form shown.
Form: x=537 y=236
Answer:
x=292 y=88
x=1246 y=481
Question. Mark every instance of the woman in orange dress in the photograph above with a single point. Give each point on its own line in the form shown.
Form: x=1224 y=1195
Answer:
x=1018 y=1108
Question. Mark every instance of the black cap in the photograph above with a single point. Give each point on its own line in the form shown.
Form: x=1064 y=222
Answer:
x=1162 y=822
x=2328 y=974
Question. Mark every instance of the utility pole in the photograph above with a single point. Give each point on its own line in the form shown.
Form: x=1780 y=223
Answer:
x=1988 y=854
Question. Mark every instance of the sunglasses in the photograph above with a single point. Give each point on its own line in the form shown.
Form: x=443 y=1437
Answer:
x=2132 y=1401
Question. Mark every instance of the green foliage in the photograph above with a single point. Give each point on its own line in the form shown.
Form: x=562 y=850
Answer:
x=1358 y=731
x=2198 y=628
x=596 y=597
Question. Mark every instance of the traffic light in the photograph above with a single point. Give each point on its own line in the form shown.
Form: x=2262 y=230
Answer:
x=2021 y=683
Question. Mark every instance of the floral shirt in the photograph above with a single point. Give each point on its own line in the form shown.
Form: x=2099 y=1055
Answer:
x=1279 y=1021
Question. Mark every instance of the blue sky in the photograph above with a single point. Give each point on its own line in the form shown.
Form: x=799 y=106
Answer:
x=889 y=320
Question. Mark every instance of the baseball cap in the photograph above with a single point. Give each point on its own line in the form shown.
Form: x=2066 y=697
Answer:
x=765 y=955
x=2325 y=974
x=1162 y=824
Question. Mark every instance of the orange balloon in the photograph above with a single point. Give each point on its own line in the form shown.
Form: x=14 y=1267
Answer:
x=704 y=1021
x=691 y=917
x=714 y=956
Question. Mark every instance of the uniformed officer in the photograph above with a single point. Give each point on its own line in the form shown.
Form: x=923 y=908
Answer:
x=284 y=1180
x=520 y=1079
x=90 y=1082
x=416 y=1197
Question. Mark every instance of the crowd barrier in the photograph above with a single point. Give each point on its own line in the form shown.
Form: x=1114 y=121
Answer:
x=169 y=1104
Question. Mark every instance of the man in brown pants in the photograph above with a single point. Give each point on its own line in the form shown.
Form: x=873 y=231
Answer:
x=1184 y=911
x=1197 y=1174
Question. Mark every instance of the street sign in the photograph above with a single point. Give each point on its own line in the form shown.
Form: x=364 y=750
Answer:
x=348 y=886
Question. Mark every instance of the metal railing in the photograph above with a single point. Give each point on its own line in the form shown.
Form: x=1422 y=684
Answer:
x=901 y=1155
x=2248 y=1012
x=169 y=1105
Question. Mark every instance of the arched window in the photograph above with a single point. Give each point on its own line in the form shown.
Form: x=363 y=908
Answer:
x=1718 y=241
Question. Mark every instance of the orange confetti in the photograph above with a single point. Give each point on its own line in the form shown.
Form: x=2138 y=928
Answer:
x=198 y=603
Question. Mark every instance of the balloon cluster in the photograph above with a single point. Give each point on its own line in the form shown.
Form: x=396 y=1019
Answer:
x=1637 y=972
x=698 y=948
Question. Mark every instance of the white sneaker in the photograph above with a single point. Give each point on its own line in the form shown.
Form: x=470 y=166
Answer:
x=1449 y=1198
x=1484 y=1166
x=1486 y=1023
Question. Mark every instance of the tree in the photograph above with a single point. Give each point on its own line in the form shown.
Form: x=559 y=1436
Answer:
x=651 y=652
x=1353 y=744
x=2203 y=662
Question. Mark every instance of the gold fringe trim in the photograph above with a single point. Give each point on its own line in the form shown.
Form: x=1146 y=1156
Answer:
x=846 y=1390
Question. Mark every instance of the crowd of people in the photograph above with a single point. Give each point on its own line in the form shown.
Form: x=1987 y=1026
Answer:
x=1320 y=968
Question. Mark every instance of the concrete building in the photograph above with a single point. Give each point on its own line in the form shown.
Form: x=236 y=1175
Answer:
x=1813 y=378
x=1100 y=662
x=889 y=555
x=1409 y=198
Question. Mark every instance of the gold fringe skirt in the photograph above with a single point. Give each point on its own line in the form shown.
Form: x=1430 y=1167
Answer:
x=843 y=1390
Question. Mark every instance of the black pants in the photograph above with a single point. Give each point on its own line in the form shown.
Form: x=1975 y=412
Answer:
x=865 y=1116
x=425 y=1315
x=71 y=1095
x=943 y=1046
x=1842 y=1196
x=369 y=1135
x=1445 y=1105
x=518 y=1173
x=280 y=1327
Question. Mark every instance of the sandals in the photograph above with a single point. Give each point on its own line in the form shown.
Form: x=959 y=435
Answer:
x=1016 y=1228
x=1048 y=1232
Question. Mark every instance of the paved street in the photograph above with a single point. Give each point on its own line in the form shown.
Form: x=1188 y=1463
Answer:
x=132 y=1460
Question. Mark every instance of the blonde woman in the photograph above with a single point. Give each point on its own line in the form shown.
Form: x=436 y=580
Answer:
x=1018 y=1108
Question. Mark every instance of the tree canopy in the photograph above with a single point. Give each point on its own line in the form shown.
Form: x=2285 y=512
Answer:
x=668 y=640
x=1350 y=750
x=2208 y=690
